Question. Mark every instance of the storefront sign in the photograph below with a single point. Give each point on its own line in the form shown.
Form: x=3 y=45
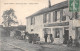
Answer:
x=57 y=24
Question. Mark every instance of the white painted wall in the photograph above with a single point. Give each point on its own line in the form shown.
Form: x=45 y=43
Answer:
x=38 y=27
x=72 y=29
x=28 y=26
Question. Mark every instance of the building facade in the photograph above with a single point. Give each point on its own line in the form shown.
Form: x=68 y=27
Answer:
x=56 y=20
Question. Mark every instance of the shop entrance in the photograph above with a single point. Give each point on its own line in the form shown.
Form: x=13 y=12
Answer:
x=47 y=32
x=66 y=36
x=78 y=34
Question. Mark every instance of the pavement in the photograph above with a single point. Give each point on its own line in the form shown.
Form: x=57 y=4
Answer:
x=21 y=45
x=6 y=47
x=58 y=47
x=25 y=45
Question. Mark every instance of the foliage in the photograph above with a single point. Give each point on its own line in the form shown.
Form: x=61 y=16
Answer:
x=9 y=17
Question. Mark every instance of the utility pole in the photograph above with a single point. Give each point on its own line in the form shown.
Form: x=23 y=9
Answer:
x=49 y=3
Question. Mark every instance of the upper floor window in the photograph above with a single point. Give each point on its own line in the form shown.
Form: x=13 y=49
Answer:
x=54 y=16
x=47 y=15
x=32 y=20
x=47 y=18
x=67 y=15
x=78 y=15
x=64 y=18
x=58 y=16
x=44 y=18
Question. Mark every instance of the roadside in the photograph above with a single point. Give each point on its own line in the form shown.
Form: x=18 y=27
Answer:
x=21 y=45
x=6 y=47
x=58 y=47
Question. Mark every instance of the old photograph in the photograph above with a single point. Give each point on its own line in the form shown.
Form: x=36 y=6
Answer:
x=39 y=25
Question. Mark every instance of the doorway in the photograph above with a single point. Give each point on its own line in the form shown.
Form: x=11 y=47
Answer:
x=66 y=36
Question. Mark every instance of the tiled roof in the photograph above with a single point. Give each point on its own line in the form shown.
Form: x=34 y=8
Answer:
x=52 y=8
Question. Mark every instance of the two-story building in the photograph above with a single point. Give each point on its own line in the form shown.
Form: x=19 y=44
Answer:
x=56 y=20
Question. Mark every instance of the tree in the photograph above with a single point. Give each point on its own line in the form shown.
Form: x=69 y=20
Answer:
x=9 y=18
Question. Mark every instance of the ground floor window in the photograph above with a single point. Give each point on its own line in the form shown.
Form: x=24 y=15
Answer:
x=47 y=30
x=57 y=33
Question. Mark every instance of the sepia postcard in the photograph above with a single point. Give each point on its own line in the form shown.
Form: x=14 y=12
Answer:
x=39 y=25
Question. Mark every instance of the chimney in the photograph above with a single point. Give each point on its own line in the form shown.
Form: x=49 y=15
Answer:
x=49 y=3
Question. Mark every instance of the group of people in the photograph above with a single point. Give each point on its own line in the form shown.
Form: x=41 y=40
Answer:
x=51 y=37
x=69 y=42
x=30 y=37
x=24 y=35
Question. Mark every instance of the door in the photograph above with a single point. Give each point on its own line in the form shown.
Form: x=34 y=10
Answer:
x=66 y=36
x=78 y=34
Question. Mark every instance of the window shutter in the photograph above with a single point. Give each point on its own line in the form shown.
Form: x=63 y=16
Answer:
x=44 y=18
x=61 y=14
x=63 y=18
x=49 y=17
x=55 y=16
x=31 y=20
x=34 y=20
x=76 y=15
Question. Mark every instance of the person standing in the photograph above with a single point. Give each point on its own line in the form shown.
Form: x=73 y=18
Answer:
x=51 y=38
x=26 y=34
x=45 y=36
x=70 y=41
x=22 y=34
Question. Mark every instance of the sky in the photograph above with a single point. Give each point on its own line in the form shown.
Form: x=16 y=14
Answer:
x=24 y=8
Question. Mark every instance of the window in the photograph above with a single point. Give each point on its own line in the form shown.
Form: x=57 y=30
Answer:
x=47 y=18
x=67 y=15
x=48 y=15
x=54 y=16
x=47 y=30
x=32 y=20
x=51 y=16
x=44 y=18
x=57 y=33
x=79 y=15
x=58 y=16
x=31 y=30
x=63 y=18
